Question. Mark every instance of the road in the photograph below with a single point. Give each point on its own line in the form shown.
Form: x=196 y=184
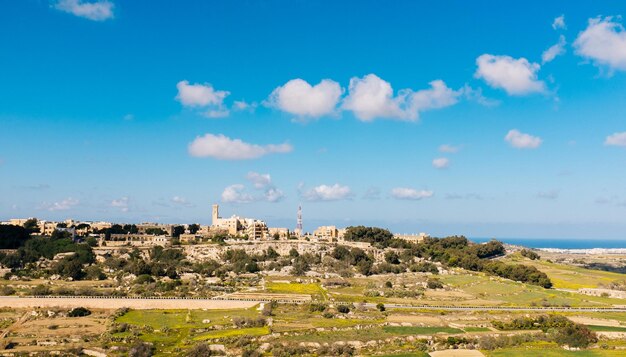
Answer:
x=105 y=302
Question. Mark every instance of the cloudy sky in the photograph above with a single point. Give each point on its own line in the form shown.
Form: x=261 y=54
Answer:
x=449 y=117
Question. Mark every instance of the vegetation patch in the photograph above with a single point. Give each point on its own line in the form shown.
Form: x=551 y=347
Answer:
x=420 y=330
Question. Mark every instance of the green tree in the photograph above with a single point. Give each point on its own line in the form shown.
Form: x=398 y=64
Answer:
x=193 y=228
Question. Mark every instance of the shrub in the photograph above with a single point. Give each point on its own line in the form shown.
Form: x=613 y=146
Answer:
x=79 y=312
x=141 y=349
x=434 y=283
x=344 y=309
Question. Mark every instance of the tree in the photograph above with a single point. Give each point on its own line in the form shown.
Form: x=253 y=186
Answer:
x=392 y=258
x=70 y=267
x=79 y=312
x=193 y=228
x=155 y=231
x=177 y=231
x=380 y=306
x=13 y=237
x=378 y=237
x=434 y=283
x=31 y=225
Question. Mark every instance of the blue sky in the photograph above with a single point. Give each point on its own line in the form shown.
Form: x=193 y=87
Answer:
x=449 y=117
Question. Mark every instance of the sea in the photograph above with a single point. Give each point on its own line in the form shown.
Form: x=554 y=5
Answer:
x=558 y=243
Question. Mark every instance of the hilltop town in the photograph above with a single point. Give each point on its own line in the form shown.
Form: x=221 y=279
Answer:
x=239 y=287
x=149 y=234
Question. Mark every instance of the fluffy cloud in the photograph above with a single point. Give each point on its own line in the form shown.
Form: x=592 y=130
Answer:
x=371 y=97
x=404 y=193
x=121 y=203
x=559 y=23
x=553 y=51
x=273 y=194
x=64 y=205
x=515 y=76
x=520 y=140
x=327 y=193
x=299 y=98
x=203 y=96
x=259 y=180
x=603 y=42
x=236 y=194
x=441 y=163
x=449 y=148
x=181 y=201
x=616 y=139
x=240 y=106
x=96 y=11
x=224 y=148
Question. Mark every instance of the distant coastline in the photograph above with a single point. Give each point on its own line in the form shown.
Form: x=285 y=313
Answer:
x=571 y=245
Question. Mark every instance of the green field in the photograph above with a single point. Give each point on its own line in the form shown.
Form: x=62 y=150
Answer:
x=251 y=331
x=315 y=290
x=170 y=330
x=607 y=328
x=476 y=329
x=419 y=330
x=570 y=277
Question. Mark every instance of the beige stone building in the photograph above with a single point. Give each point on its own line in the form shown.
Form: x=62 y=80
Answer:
x=330 y=233
x=237 y=226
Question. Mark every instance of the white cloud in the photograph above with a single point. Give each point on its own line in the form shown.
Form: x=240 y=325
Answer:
x=199 y=95
x=240 y=106
x=616 y=139
x=203 y=96
x=299 y=98
x=559 y=23
x=224 y=148
x=371 y=97
x=553 y=51
x=64 y=205
x=449 y=148
x=259 y=181
x=520 y=140
x=328 y=193
x=181 y=201
x=515 y=76
x=404 y=193
x=273 y=194
x=604 y=42
x=441 y=163
x=236 y=194
x=121 y=203
x=217 y=113
x=96 y=11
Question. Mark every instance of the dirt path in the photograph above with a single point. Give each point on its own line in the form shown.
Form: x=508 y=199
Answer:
x=15 y=325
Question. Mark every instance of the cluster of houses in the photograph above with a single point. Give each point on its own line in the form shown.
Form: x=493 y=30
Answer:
x=146 y=234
